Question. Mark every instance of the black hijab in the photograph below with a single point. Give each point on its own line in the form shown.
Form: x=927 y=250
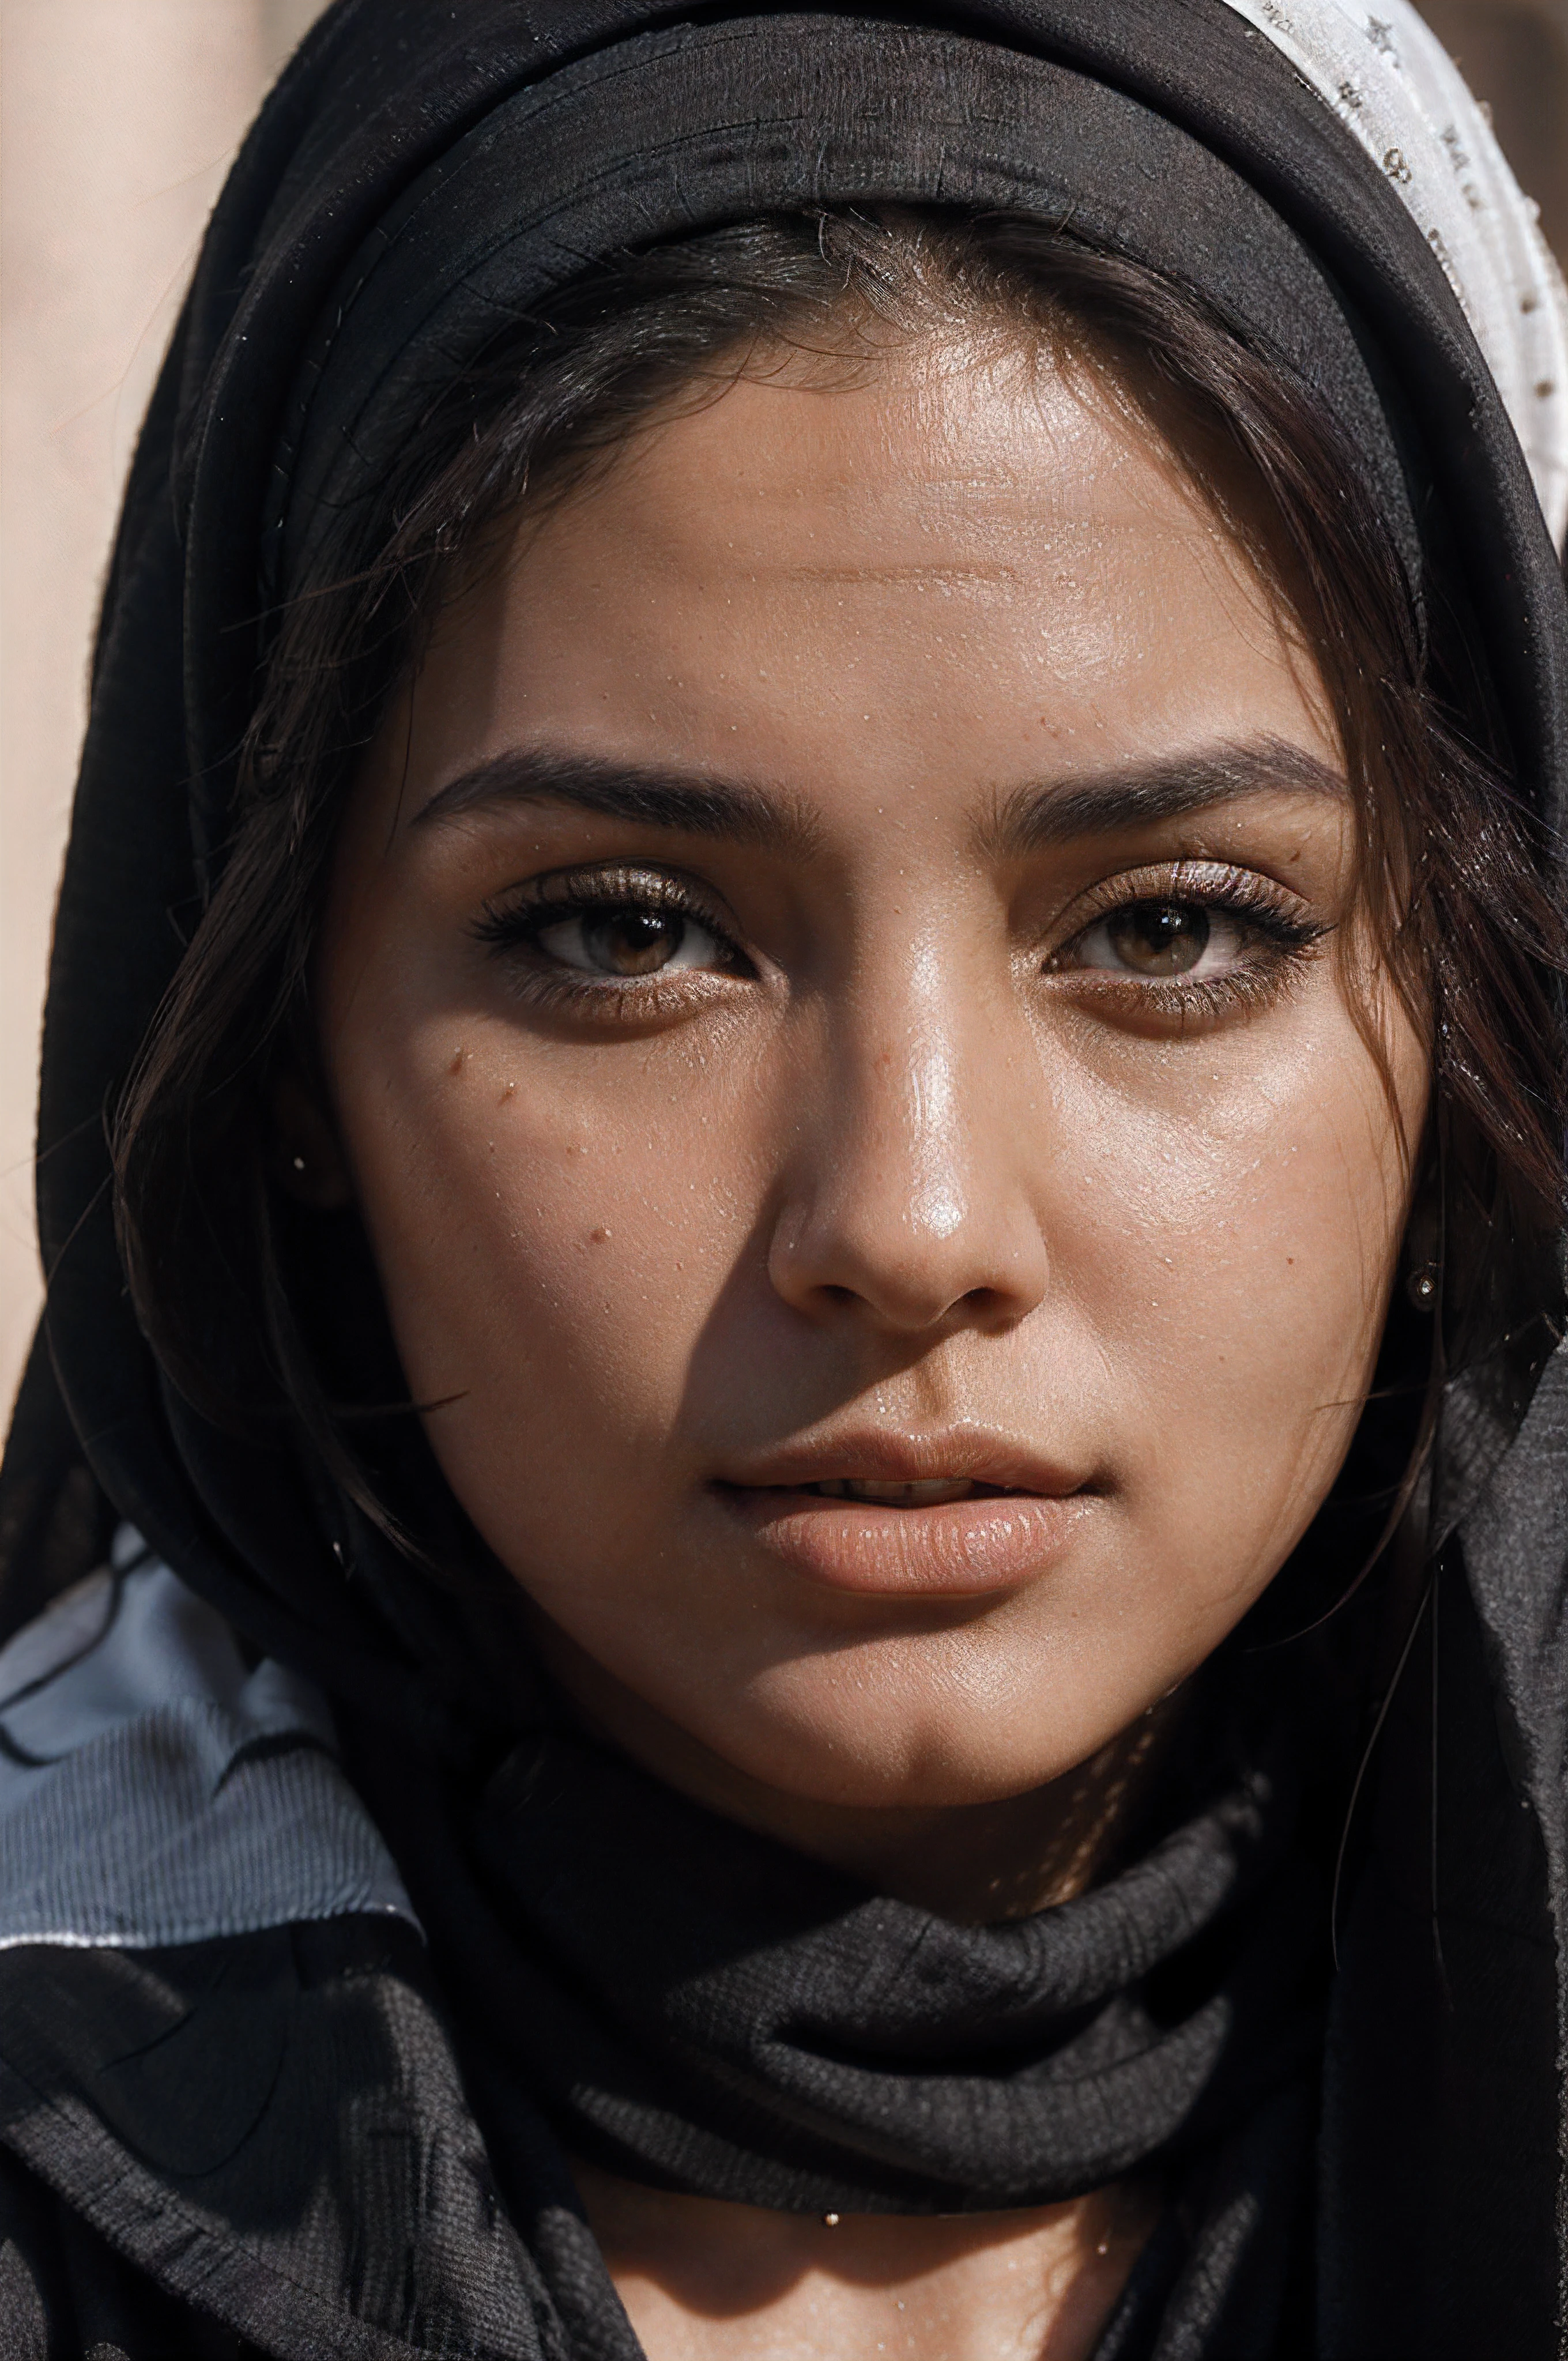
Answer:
x=784 y=2037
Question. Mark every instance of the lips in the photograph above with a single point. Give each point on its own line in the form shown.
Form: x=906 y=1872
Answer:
x=957 y=1516
x=928 y=1492
x=985 y=1459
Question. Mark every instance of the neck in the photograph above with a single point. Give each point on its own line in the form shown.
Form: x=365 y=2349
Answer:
x=973 y=1864
x=702 y=2276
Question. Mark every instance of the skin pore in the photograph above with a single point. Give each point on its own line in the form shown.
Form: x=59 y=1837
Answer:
x=834 y=1014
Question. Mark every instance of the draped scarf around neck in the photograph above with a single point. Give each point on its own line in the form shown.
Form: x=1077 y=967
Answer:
x=687 y=2003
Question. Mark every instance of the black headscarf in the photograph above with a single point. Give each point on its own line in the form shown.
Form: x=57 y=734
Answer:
x=419 y=172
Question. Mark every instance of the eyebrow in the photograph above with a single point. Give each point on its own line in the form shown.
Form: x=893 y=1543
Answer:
x=1031 y=819
x=643 y=794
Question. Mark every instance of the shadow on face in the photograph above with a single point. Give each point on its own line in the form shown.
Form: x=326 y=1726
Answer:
x=832 y=1002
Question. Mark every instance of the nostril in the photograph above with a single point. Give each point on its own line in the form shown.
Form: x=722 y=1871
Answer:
x=989 y=1307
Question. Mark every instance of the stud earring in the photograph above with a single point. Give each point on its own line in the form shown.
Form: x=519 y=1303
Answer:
x=1421 y=1287
x=299 y=1163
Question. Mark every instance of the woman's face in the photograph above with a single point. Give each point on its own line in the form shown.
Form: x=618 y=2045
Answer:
x=831 y=1004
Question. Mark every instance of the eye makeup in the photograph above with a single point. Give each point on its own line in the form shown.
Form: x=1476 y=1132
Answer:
x=608 y=932
x=1182 y=940
x=1192 y=938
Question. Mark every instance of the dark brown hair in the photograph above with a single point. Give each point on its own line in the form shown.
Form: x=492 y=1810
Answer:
x=1451 y=868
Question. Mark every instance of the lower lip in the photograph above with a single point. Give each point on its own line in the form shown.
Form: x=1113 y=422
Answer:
x=990 y=1542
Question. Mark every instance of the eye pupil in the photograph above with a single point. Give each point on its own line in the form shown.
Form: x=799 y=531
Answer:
x=1160 y=937
x=633 y=941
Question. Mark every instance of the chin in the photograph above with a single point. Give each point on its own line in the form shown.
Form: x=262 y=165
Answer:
x=880 y=1756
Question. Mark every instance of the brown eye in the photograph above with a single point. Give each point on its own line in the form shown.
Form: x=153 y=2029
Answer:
x=1189 y=938
x=630 y=940
x=633 y=942
x=1159 y=937
x=1154 y=939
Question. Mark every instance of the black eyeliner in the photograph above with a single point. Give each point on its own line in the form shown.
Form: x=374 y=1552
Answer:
x=516 y=919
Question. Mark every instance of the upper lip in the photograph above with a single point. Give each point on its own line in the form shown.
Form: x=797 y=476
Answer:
x=877 y=1456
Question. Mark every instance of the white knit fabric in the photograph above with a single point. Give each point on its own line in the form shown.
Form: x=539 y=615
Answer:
x=1386 y=75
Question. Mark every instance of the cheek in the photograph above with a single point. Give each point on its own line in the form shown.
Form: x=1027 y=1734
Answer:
x=1236 y=1235
x=568 y=1253
x=551 y=1248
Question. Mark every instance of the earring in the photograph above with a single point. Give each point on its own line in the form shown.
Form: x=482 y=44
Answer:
x=1421 y=1287
x=299 y=1163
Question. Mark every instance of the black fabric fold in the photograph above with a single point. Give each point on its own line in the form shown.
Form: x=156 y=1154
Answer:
x=676 y=130
x=774 y=2034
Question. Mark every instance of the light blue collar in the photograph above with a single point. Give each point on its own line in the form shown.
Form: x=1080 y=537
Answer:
x=154 y=1790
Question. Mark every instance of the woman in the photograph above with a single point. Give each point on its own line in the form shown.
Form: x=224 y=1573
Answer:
x=786 y=1554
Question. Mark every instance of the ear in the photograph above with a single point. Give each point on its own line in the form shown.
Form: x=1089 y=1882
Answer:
x=307 y=1156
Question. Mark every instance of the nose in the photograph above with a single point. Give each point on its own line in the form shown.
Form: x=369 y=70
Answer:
x=908 y=1199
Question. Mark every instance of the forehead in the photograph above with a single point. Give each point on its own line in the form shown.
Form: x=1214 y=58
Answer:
x=958 y=557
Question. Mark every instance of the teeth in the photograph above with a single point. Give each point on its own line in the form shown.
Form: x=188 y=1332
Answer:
x=926 y=1495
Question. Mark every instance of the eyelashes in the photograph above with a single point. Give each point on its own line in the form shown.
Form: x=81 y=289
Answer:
x=609 y=933
x=1183 y=940
x=1198 y=939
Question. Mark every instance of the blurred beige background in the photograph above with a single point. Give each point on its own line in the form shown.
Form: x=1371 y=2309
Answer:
x=117 y=120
